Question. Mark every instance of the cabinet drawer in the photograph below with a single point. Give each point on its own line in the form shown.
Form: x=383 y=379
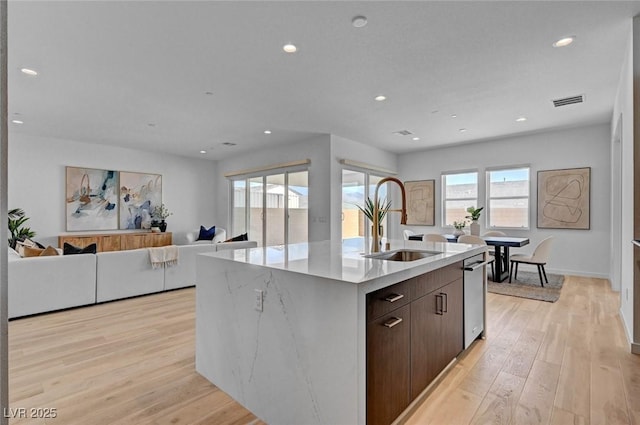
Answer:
x=388 y=299
x=436 y=279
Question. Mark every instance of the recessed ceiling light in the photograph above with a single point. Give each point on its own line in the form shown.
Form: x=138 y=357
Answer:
x=203 y=151
x=267 y=132
x=416 y=138
x=454 y=116
x=565 y=41
x=17 y=122
x=359 y=21
x=150 y=124
x=435 y=111
x=29 y=71
x=209 y=93
x=228 y=144
x=462 y=130
x=290 y=48
x=380 y=98
x=521 y=119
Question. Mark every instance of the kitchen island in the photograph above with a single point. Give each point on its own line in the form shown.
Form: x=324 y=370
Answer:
x=288 y=331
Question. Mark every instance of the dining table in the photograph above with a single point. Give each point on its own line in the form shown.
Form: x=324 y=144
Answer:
x=502 y=244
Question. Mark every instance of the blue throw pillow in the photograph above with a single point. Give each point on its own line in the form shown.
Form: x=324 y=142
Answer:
x=206 y=234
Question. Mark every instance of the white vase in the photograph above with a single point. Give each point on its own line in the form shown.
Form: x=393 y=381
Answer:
x=458 y=232
x=474 y=227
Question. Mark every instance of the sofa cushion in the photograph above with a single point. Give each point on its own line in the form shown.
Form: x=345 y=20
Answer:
x=206 y=234
x=12 y=254
x=242 y=237
x=49 y=251
x=28 y=251
x=69 y=249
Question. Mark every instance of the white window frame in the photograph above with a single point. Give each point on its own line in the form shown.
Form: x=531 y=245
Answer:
x=489 y=198
x=264 y=174
x=443 y=190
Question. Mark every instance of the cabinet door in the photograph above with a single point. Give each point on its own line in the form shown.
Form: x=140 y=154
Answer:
x=134 y=241
x=388 y=340
x=426 y=318
x=80 y=241
x=452 y=320
x=110 y=243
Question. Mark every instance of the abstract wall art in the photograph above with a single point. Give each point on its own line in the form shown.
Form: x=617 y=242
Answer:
x=421 y=202
x=140 y=193
x=91 y=199
x=564 y=198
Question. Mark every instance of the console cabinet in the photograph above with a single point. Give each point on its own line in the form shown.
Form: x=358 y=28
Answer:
x=414 y=329
x=118 y=241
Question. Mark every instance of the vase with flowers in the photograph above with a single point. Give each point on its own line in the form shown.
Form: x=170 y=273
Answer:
x=459 y=225
x=159 y=215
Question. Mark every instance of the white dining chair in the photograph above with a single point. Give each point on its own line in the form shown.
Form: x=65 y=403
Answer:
x=539 y=258
x=434 y=237
x=477 y=240
x=406 y=233
x=494 y=233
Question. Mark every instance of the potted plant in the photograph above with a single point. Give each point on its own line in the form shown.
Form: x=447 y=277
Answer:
x=474 y=215
x=159 y=215
x=459 y=225
x=16 y=229
x=368 y=210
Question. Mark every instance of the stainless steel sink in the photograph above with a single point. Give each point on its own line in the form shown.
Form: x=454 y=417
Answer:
x=403 y=255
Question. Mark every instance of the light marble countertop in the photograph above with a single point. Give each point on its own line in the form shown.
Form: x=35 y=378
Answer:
x=346 y=261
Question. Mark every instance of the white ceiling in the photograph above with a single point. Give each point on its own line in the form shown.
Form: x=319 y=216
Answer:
x=109 y=69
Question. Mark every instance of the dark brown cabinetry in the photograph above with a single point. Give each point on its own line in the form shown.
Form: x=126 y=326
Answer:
x=436 y=333
x=414 y=329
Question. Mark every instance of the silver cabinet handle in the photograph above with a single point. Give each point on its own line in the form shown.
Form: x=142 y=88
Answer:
x=636 y=242
x=394 y=297
x=393 y=321
x=476 y=266
x=439 y=310
x=445 y=307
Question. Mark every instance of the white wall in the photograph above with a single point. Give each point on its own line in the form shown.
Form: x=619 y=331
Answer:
x=579 y=252
x=37 y=182
x=622 y=216
x=316 y=149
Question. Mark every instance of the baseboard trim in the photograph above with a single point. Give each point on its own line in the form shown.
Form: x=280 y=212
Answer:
x=635 y=347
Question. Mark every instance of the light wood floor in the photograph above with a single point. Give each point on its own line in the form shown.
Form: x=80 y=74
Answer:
x=132 y=362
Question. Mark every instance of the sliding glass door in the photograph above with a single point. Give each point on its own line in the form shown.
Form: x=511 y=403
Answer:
x=278 y=208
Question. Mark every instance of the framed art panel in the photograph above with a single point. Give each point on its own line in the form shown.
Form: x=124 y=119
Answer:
x=564 y=198
x=140 y=193
x=91 y=199
x=421 y=202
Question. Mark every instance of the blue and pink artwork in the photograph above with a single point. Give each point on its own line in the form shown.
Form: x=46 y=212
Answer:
x=140 y=193
x=91 y=199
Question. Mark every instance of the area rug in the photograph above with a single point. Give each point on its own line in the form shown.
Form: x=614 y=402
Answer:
x=528 y=286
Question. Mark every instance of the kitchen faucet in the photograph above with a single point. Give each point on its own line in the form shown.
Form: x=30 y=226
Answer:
x=375 y=246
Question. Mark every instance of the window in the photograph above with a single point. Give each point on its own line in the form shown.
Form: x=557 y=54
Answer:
x=460 y=192
x=278 y=207
x=356 y=187
x=508 y=198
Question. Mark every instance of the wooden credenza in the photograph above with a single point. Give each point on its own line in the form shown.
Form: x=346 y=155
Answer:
x=118 y=241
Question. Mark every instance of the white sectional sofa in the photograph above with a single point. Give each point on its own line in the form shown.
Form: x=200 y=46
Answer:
x=42 y=284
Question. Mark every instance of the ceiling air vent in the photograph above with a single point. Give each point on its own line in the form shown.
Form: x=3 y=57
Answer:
x=403 y=133
x=568 y=100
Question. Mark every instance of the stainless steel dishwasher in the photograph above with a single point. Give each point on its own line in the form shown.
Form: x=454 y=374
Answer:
x=475 y=296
